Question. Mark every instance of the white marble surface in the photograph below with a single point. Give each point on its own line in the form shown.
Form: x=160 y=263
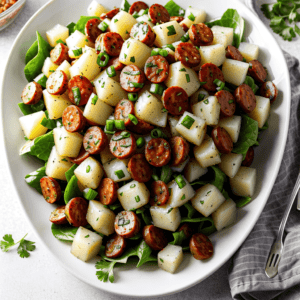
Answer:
x=41 y=276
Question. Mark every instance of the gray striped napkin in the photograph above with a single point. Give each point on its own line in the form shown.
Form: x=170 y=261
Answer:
x=247 y=277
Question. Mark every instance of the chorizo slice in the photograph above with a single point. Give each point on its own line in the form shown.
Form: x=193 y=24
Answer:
x=91 y=29
x=57 y=83
x=122 y=144
x=158 y=14
x=180 y=150
x=142 y=127
x=188 y=54
x=32 y=93
x=59 y=54
x=175 y=100
x=201 y=35
x=269 y=90
x=201 y=247
x=249 y=157
x=154 y=237
x=257 y=71
x=222 y=140
x=111 y=43
x=245 y=98
x=188 y=229
x=58 y=216
x=136 y=7
x=95 y=140
x=227 y=103
x=122 y=111
x=115 y=61
x=79 y=90
x=76 y=210
x=132 y=79
x=157 y=69
x=82 y=156
x=159 y=194
x=142 y=31
x=208 y=73
x=233 y=53
x=73 y=119
x=108 y=191
x=158 y=152
x=110 y=14
x=50 y=189
x=139 y=168
x=178 y=19
x=115 y=246
x=127 y=224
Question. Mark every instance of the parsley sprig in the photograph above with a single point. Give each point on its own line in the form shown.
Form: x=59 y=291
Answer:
x=23 y=248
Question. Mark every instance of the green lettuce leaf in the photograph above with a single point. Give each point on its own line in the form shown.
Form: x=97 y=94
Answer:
x=72 y=190
x=80 y=25
x=64 y=233
x=71 y=27
x=125 y=6
x=42 y=146
x=179 y=238
x=49 y=123
x=32 y=52
x=174 y=9
x=69 y=174
x=33 y=178
x=219 y=179
x=242 y=201
x=30 y=109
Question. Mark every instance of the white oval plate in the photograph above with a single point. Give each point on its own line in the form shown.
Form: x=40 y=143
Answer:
x=147 y=280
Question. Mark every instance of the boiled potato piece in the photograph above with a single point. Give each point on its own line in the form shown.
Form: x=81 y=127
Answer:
x=77 y=39
x=89 y=173
x=249 y=51
x=31 y=125
x=115 y=165
x=198 y=96
x=65 y=66
x=181 y=166
x=49 y=67
x=243 y=183
x=106 y=155
x=56 y=33
x=222 y=35
x=193 y=170
x=225 y=215
x=173 y=121
x=170 y=258
x=86 y=244
x=230 y=163
x=122 y=23
x=262 y=111
x=165 y=217
x=96 y=9
x=207 y=199
x=26 y=147
x=232 y=125
x=199 y=14
x=133 y=195
x=235 y=71
x=214 y=54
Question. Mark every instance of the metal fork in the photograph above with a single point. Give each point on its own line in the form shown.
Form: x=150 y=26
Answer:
x=276 y=250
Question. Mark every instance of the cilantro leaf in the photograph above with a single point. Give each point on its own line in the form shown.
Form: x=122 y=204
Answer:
x=294 y=16
x=64 y=233
x=7 y=242
x=265 y=8
x=106 y=270
x=219 y=179
x=125 y=5
x=174 y=9
x=288 y=33
x=191 y=210
x=297 y=29
x=42 y=146
x=33 y=178
x=143 y=252
x=179 y=238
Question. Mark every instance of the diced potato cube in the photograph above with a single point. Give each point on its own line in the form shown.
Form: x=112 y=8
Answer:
x=49 y=67
x=243 y=183
x=145 y=18
x=222 y=35
x=89 y=173
x=225 y=215
x=235 y=71
x=57 y=165
x=56 y=33
x=96 y=9
x=165 y=217
x=115 y=165
x=73 y=54
x=197 y=96
x=193 y=170
x=262 y=111
x=173 y=120
x=100 y=218
x=232 y=125
x=249 y=51
x=196 y=132
x=122 y=23
x=207 y=153
x=106 y=155
x=230 y=163
x=214 y=54
x=31 y=125
x=199 y=14
x=167 y=33
x=181 y=166
x=77 y=39
x=26 y=147
x=207 y=199
x=86 y=244
x=133 y=195
x=170 y=258
x=65 y=66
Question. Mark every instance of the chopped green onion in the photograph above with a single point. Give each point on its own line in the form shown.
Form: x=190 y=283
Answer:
x=200 y=97
x=230 y=101
x=100 y=62
x=120 y=174
x=244 y=59
x=136 y=15
x=89 y=194
x=133 y=119
x=183 y=197
x=180 y=181
x=170 y=209
x=88 y=169
x=156 y=133
x=135 y=84
x=121 y=136
x=156 y=89
x=220 y=84
x=60 y=41
x=163 y=52
x=191 y=17
x=116 y=20
x=185 y=37
x=77 y=95
x=171 y=29
x=155 y=52
x=170 y=46
x=132 y=59
x=109 y=132
x=94 y=100
x=110 y=71
x=140 y=142
x=202 y=82
x=132 y=97
x=155 y=177
x=77 y=52
x=132 y=186
x=137 y=198
x=187 y=76
x=187 y=122
x=166 y=174
x=110 y=124
x=103 y=26
x=133 y=73
x=119 y=124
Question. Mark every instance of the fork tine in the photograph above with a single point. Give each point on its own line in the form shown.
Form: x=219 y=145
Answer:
x=271 y=269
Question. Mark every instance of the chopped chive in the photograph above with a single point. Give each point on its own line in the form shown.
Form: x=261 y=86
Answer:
x=110 y=124
x=132 y=59
x=119 y=124
x=77 y=52
x=156 y=89
x=137 y=198
x=187 y=122
x=94 y=99
x=180 y=181
x=133 y=119
x=187 y=76
x=103 y=26
x=140 y=142
x=132 y=97
x=100 y=62
x=191 y=17
x=200 y=97
x=111 y=72
x=77 y=95
x=171 y=30
x=120 y=174
x=88 y=168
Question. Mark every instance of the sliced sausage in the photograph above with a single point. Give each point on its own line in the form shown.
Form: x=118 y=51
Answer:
x=257 y=71
x=227 y=102
x=83 y=155
x=59 y=54
x=222 y=140
x=201 y=35
x=115 y=246
x=184 y=27
x=139 y=168
x=142 y=127
x=157 y=69
x=85 y=88
x=233 y=53
x=154 y=237
x=91 y=29
x=73 y=119
x=111 y=43
x=110 y=14
x=269 y=90
x=32 y=93
x=175 y=100
x=158 y=14
x=127 y=224
x=188 y=54
x=76 y=210
x=115 y=61
x=122 y=144
x=180 y=149
x=201 y=247
x=245 y=98
x=249 y=157
x=158 y=152
x=58 y=216
x=95 y=140
x=57 y=83
x=136 y=7
x=108 y=191
x=208 y=73
x=188 y=229
x=142 y=31
x=50 y=189
x=159 y=193
x=178 y=19
x=132 y=79
x=122 y=111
